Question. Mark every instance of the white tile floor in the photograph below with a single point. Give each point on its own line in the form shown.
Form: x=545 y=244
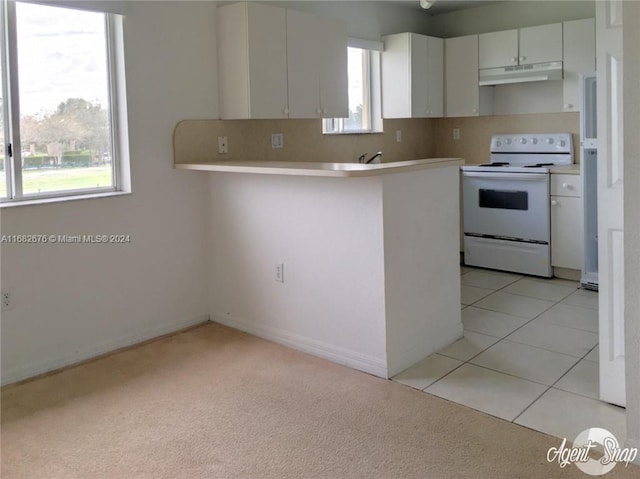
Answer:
x=529 y=355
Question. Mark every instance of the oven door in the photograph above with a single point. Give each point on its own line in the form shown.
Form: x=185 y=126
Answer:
x=506 y=205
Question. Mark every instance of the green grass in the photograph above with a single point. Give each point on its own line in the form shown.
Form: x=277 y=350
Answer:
x=44 y=181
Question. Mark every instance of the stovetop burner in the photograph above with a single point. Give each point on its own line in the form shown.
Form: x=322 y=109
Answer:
x=496 y=164
x=538 y=165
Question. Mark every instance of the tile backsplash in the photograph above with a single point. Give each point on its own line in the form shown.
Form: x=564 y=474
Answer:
x=197 y=140
x=475 y=132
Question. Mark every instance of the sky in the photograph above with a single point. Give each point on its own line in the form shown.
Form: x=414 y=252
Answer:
x=61 y=54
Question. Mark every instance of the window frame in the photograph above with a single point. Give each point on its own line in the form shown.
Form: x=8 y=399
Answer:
x=372 y=93
x=117 y=112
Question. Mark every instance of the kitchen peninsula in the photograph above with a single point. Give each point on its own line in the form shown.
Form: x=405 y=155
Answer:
x=353 y=263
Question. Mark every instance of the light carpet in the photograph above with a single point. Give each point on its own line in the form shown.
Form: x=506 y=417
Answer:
x=212 y=402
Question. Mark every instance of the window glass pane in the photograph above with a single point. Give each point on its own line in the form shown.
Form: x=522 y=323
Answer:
x=63 y=80
x=358 y=103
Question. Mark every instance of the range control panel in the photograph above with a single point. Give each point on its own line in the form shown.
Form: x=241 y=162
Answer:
x=532 y=143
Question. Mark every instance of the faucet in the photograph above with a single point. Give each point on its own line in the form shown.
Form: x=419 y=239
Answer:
x=377 y=155
x=363 y=158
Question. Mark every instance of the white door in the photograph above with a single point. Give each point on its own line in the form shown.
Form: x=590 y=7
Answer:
x=610 y=200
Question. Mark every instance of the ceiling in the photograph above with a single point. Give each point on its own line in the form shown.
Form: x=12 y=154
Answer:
x=445 y=6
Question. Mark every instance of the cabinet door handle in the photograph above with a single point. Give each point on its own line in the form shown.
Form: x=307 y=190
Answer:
x=514 y=60
x=475 y=110
x=567 y=186
x=554 y=203
x=285 y=111
x=568 y=106
x=523 y=59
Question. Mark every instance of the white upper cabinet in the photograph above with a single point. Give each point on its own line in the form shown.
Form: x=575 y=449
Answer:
x=463 y=96
x=317 y=66
x=252 y=61
x=280 y=63
x=540 y=44
x=334 y=82
x=412 y=76
x=525 y=46
x=498 y=49
x=579 y=58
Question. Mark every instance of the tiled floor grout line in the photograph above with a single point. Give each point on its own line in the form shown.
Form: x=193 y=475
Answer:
x=529 y=406
x=557 y=381
x=577 y=359
x=548 y=387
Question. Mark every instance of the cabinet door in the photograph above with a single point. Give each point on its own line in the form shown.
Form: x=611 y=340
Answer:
x=498 y=49
x=461 y=75
x=303 y=64
x=252 y=61
x=396 y=82
x=419 y=67
x=435 y=77
x=267 y=61
x=579 y=41
x=334 y=86
x=566 y=232
x=540 y=44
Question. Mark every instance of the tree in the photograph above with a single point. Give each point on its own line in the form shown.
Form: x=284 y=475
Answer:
x=75 y=124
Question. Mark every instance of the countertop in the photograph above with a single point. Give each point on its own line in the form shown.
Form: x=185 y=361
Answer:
x=573 y=169
x=302 y=168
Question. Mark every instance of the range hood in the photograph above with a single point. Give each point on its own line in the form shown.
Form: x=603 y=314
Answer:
x=521 y=74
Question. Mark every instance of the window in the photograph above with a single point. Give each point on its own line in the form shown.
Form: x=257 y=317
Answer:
x=363 y=59
x=60 y=110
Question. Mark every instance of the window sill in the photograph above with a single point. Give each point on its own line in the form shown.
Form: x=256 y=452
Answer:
x=353 y=133
x=60 y=199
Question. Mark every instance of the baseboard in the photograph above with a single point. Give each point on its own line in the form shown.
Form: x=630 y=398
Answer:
x=566 y=273
x=352 y=359
x=51 y=364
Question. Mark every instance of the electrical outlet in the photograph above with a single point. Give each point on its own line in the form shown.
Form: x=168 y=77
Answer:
x=223 y=145
x=456 y=133
x=398 y=136
x=280 y=272
x=7 y=303
x=277 y=141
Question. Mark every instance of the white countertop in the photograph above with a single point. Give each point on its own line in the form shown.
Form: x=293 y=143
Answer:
x=302 y=168
x=573 y=169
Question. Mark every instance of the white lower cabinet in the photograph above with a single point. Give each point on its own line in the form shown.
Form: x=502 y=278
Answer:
x=566 y=222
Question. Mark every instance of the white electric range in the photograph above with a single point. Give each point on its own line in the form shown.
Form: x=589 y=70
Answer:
x=506 y=208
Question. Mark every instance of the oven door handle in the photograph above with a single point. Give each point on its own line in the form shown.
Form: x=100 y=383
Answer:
x=506 y=176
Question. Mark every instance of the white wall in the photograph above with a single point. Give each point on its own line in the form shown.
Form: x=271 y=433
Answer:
x=328 y=233
x=422 y=273
x=508 y=15
x=76 y=301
